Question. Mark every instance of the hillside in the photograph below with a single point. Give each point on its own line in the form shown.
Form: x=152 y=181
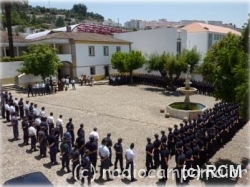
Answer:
x=24 y=15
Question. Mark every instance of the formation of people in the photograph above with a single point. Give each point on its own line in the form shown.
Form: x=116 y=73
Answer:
x=192 y=142
x=86 y=80
x=42 y=88
x=202 y=87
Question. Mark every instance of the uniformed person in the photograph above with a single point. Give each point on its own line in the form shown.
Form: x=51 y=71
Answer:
x=104 y=158
x=14 y=123
x=86 y=166
x=25 y=127
x=52 y=147
x=70 y=128
x=65 y=153
x=75 y=159
x=91 y=145
x=32 y=135
x=164 y=138
x=180 y=162
x=26 y=109
x=21 y=108
x=149 y=155
x=30 y=90
x=42 y=139
x=80 y=143
x=165 y=156
x=81 y=130
x=157 y=145
x=109 y=145
x=119 y=154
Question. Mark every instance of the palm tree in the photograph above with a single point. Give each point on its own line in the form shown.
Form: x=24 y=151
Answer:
x=6 y=7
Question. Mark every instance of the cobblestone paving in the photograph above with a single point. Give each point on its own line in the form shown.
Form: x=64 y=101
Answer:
x=130 y=112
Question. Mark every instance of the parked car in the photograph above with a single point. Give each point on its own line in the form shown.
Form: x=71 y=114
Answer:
x=31 y=179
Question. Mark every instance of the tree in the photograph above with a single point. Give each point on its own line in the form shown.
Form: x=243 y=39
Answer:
x=226 y=67
x=80 y=10
x=40 y=60
x=170 y=66
x=60 y=22
x=127 y=62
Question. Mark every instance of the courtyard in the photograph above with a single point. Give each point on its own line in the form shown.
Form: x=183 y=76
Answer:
x=129 y=112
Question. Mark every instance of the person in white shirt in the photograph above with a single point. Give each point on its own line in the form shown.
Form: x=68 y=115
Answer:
x=73 y=84
x=7 y=110
x=43 y=90
x=35 y=111
x=40 y=89
x=59 y=124
x=94 y=134
x=50 y=120
x=36 y=89
x=42 y=113
x=12 y=109
x=32 y=135
x=16 y=106
x=105 y=161
x=67 y=82
x=26 y=108
x=130 y=156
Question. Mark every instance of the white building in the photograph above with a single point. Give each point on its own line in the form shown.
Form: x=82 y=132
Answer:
x=137 y=24
x=84 y=53
x=110 y=22
x=203 y=36
x=169 y=40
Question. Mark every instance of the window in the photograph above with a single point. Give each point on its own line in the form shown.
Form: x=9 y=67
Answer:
x=178 y=48
x=210 y=40
x=118 y=48
x=92 y=70
x=105 y=50
x=91 y=51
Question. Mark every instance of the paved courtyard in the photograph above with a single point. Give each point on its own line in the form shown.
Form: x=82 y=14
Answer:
x=130 y=112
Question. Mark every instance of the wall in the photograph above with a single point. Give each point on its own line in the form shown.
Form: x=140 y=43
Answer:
x=84 y=61
x=200 y=40
x=8 y=72
x=152 y=41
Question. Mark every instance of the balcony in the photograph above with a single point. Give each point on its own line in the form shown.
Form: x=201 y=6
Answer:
x=65 y=57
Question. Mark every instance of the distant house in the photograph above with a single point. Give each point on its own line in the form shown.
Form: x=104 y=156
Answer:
x=83 y=53
x=203 y=36
x=19 y=42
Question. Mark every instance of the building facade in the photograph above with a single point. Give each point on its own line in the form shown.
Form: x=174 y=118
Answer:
x=203 y=36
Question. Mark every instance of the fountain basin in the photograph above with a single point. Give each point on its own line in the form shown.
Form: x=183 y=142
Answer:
x=178 y=110
x=190 y=91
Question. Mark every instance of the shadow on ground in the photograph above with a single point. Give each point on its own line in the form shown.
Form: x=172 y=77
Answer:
x=232 y=169
x=163 y=92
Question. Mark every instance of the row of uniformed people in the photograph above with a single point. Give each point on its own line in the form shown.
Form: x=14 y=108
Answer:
x=196 y=141
x=214 y=127
x=159 y=81
x=40 y=89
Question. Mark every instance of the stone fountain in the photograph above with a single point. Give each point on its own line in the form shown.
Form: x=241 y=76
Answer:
x=186 y=109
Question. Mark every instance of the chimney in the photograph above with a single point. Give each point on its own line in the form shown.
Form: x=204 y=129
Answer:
x=68 y=28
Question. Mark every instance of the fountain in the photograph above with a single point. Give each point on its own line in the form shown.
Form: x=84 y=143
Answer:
x=186 y=109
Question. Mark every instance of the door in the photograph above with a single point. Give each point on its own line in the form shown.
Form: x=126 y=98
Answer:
x=106 y=71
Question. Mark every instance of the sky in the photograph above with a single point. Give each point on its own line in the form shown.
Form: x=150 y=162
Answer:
x=235 y=12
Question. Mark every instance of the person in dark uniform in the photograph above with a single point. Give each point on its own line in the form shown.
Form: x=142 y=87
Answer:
x=164 y=138
x=81 y=130
x=91 y=145
x=30 y=90
x=119 y=154
x=14 y=123
x=21 y=109
x=189 y=159
x=80 y=143
x=75 y=159
x=180 y=162
x=3 y=105
x=42 y=139
x=44 y=125
x=52 y=147
x=86 y=166
x=65 y=153
x=57 y=134
x=70 y=128
x=109 y=145
x=157 y=145
x=25 y=126
x=16 y=107
x=171 y=143
x=149 y=155
x=165 y=156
